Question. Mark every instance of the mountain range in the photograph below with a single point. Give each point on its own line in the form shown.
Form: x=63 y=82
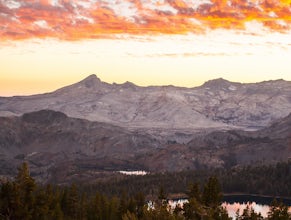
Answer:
x=89 y=129
x=217 y=103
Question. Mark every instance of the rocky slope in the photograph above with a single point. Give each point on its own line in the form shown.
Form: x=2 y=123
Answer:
x=51 y=139
x=61 y=149
x=216 y=104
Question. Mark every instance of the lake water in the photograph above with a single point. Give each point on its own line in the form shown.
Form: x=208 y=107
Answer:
x=260 y=204
x=233 y=207
x=232 y=203
x=133 y=172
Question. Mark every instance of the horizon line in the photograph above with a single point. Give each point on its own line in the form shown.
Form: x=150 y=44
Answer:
x=141 y=86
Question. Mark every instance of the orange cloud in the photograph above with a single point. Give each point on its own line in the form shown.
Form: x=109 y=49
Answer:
x=74 y=20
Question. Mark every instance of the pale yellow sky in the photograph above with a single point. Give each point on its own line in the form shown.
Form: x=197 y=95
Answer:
x=36 y=66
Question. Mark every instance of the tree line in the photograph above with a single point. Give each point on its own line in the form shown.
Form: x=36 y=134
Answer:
x=269 y=180
x=24 y=199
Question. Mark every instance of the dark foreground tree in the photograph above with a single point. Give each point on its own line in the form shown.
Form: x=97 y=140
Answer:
x=23 y=199
x=278 y=211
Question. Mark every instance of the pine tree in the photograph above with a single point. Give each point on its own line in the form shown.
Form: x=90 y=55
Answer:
x=129 y=216
x=57 y=213
x=72 y=202
x=140 y=203
x=220 y=213
x=122 y=209
x=26 y=186
x=193 y=210
x=162 y=196
x=10 y=203
x=212 y=195
x=194 y=192
x=41 y=207
x=278 y=211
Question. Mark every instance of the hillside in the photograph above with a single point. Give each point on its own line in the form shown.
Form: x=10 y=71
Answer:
x=61 y=149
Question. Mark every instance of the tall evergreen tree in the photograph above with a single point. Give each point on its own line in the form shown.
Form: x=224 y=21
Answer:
x=212 y=195
x=194 y=192
x=26 y=186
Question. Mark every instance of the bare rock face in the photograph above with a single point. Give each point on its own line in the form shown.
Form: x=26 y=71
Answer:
x=216 y=104
x=82 y=130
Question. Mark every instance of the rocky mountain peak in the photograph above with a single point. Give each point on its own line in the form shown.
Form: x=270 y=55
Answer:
x=128 y=85
x=218 y=83
x=90 y=81
x=89 y=84
x=218 y=103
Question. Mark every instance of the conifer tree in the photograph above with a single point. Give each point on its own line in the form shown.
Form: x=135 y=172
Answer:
x=212 y=193
x=129 y=216
x=72 y=202
x=10 y=203
x=140 y=203
x=194 y=192
x=162 y=196
x=26 y=187
x=278 y=211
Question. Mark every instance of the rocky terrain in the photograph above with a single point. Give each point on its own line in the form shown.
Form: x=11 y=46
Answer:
x=89 y=129
x=61 y=149
x=216 y=104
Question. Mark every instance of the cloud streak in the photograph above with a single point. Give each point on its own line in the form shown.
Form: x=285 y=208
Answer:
x=90 y=19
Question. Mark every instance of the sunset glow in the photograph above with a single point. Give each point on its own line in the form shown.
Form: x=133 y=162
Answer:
x=46 y=44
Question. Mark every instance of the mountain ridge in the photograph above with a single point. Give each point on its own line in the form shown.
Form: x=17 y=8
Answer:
x=94 y=77
x=217 y=103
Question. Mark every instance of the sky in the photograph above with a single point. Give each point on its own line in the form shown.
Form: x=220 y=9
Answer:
x=47 y=44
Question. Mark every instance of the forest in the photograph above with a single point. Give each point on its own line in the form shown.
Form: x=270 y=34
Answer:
x=24 y=198
x=267 y=180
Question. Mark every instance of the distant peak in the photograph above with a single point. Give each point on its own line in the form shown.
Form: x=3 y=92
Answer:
x=128 y=84
x=90 y=81
x=220 y=82
x=91 y=77
x=125 y=85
